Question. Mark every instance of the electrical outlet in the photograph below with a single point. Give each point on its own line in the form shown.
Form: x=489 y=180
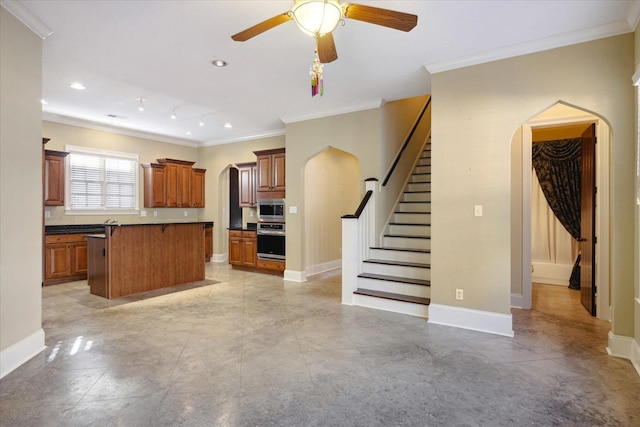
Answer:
x=155 y=213
x=186 y=213
x=47 y=214
x=477 y=210
x=459 y=294
x=143 y=213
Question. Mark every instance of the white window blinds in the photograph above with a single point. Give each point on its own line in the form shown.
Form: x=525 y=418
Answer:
x=102 y=181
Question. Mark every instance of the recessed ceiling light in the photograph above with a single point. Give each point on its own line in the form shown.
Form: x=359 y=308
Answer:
x=219 y=63
x=228 y=125
x=43 y=102
x=77 y=86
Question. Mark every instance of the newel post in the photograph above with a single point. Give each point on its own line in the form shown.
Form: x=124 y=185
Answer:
x=349 y=258
x=371 y=184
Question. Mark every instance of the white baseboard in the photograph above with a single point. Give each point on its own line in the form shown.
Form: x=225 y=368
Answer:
x=620 y=346
x=475 y=320
x=551 y=274
x=323 y=267
x=219 y=257
x=635 y=356
x=295 y=276
x=517 y=300
x=20 y=352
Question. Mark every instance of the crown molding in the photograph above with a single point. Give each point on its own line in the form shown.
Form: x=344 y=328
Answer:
x=633 y=16
x=547 y=43
x=73 y=121
x=27 y=17
x=266 y=134
x=370 y=105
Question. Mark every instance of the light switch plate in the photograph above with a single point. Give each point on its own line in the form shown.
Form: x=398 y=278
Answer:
x=143 y=213
x=293 y=209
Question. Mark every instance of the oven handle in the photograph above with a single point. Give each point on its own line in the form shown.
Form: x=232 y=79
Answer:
x=270 y=233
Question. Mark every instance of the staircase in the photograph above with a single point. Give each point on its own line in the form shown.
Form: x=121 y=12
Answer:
x=396 y=276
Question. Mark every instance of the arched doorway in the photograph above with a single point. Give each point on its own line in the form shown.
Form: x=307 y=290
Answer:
x=557 y=116
x=331 y=188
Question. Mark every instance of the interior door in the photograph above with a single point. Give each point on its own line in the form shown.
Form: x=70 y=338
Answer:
x=587 y=221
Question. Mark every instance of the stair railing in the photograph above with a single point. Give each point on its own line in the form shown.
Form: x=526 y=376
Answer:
x=358 y=235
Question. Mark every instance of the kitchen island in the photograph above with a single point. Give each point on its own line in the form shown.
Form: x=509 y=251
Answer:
x=132 y=258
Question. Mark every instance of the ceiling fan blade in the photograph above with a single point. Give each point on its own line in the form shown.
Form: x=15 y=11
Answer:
x=327 y=49
x=385 y=17
x=261 y=27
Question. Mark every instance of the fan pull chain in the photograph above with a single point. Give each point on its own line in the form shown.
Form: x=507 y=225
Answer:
x=317 y=84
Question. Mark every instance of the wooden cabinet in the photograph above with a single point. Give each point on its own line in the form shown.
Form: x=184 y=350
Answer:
x=178 y=182
x=54 y=177
x=65 y=258
x=172 y=183
x=197 y=188
x=247 y=184
x=155 y=194
x=270 y=176
x=97 y=272
x=208 y=242
x=243 y=248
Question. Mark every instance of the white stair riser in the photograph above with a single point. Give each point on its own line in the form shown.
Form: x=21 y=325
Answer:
x=418 y=186
x=422 y=169
x=409 y=308
x=404 y=271
x=414 y=207
x=410 y=230
x=421 y=178
x=403 y=256
x=394 y=287
x=416 y=197
x=412 y=218
x=407 y=243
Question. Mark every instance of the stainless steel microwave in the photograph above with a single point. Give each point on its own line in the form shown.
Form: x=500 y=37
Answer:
x=271 y=210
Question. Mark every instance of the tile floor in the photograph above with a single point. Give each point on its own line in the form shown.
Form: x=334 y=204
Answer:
x=252 y=350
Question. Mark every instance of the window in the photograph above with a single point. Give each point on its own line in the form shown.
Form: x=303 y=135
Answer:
x=101 y=181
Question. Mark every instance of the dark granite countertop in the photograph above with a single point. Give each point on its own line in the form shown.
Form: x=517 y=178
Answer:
x=251 y=226
x=50 y=230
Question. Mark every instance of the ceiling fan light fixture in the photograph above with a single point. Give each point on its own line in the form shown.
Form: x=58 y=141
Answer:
x=317 y=17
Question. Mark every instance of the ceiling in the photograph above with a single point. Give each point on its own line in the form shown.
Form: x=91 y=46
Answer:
x=162 y=51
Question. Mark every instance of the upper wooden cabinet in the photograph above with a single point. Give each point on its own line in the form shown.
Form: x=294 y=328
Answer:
x=155 y=193
x=197 y=188
x=270 y=176
x=172 y=183
x=54 y=177
x=247 y=184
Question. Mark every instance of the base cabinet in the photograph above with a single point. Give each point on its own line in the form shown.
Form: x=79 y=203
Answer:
x=65 y=258
x=243 y=248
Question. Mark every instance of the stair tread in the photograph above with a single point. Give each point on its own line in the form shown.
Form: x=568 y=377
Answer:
x=392 y=296
x=399 y=263
x=412 y=213
x=409 y=280
x=391 y=248
x=417 y=224
x=407 y=236
x=417 y=191
x=413 y=201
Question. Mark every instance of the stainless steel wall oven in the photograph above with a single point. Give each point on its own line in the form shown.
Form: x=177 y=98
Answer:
x=271 y=241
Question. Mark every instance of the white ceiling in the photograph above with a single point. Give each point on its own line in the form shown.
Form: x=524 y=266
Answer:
x=162 y=51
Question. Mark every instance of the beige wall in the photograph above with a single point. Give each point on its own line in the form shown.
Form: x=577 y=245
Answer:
x=216 y=160
x=356 y=133
x=476 y=111
x=20 y=183
x=148 y=151
x=332 y=189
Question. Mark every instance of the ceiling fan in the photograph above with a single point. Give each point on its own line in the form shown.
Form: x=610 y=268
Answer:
x=319 y=18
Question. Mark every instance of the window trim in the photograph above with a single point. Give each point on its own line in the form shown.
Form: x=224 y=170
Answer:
x=105 y=153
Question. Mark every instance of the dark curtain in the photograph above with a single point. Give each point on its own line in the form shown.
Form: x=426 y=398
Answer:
x=558 y=166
